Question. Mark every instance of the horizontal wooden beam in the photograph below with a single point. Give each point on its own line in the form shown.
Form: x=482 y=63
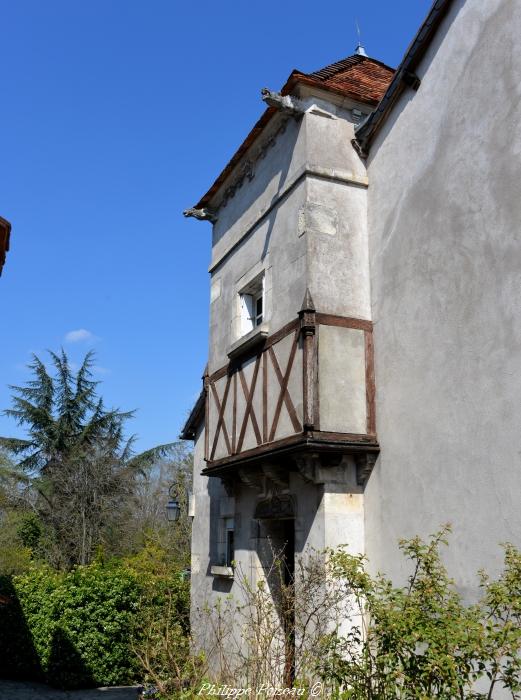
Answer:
x=316 y=441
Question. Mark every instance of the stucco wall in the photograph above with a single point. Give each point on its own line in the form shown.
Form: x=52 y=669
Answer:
x=444 y=239
x=301 y=218
x=314 y=236
x=207 y=494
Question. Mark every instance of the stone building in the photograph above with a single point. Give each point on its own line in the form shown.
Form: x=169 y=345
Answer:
x=363 y=375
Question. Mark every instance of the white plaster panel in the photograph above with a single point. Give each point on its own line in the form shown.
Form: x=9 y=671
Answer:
x=342 y=394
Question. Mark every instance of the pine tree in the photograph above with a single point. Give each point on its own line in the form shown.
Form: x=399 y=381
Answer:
x=78 y=466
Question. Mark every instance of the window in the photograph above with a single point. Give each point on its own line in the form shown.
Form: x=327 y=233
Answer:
x=222 y=554
x=227 y=547
x=252 y=305
x=230 y=549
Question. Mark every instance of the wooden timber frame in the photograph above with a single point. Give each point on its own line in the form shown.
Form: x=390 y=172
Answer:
x=307 y=435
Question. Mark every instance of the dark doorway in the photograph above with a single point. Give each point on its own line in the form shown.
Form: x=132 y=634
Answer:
x=289 y=597
x=278 y=547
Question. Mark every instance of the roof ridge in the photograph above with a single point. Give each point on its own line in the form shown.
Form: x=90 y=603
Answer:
x=333 y=68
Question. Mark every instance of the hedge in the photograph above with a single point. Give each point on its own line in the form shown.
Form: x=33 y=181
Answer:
x=78 y=629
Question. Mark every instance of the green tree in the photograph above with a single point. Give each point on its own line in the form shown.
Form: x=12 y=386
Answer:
x=16 y=542
x=148 y=525
x=79 y=469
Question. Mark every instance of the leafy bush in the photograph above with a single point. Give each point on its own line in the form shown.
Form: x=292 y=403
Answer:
x=79 y=629
x=422 y=641
x=366 y=638
x=163 y=645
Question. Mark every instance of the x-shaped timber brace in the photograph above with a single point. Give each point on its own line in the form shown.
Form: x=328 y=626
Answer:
x=303 y=335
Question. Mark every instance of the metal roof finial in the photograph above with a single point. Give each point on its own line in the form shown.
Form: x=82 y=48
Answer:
x=359 y=51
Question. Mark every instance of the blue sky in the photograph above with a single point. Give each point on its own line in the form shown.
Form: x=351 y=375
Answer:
x=117 y=115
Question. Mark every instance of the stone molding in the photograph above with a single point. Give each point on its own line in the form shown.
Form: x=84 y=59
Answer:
x=336 y=175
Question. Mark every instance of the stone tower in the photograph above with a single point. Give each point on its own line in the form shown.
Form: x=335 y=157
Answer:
x=311 y=260
x=285 y=428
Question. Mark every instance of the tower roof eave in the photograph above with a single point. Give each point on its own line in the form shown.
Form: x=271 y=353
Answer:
x=357 y=77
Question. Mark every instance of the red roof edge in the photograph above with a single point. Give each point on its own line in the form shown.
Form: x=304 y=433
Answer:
x=5 y=232
x=248 y=141
x=296 y=77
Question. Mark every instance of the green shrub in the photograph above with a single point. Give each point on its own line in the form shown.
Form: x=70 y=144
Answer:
x=162 y=645
x=79 y=629
x=422 y=641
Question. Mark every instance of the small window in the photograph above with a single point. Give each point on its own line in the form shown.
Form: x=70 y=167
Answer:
x=227 y=542
x=252 y=305
x=258 y=300
x=230 y=549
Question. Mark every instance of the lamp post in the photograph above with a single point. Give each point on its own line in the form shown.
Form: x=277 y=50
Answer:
x=173 y=507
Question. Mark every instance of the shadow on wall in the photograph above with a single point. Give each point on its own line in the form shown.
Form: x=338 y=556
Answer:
x=19 y=658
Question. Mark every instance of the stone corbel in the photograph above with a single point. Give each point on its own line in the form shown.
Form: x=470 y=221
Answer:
x=308 y=466
x=365 y=462
x=284 y=103
x=203 y=214
x=278 y=475
x=253 y=478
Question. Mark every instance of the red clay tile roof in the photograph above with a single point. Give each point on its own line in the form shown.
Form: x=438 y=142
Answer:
x=360 y=78
x=5 y=230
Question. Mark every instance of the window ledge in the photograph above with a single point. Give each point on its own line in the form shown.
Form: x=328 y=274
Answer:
x=223 y=571
x=255 y=337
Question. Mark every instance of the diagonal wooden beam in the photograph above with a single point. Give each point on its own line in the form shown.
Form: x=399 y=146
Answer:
x=284 y=396
x=248 y=395
x=220 y=421
x=234 y=413
x=265 y=397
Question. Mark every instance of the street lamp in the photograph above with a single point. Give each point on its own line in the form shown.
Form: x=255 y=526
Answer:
x=173 y=507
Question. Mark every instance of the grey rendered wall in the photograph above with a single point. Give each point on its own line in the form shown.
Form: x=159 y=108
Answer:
x=314 y=236
x=445 y=258
x=258 y=240
x=207 y=494
x=302 y=219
